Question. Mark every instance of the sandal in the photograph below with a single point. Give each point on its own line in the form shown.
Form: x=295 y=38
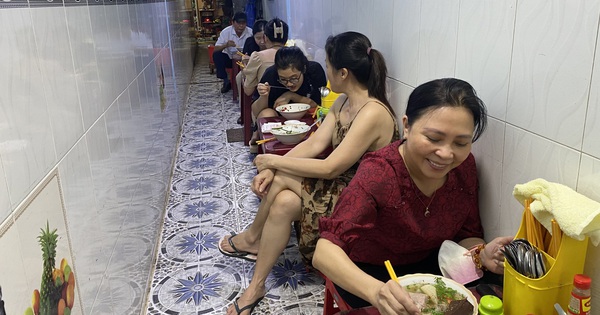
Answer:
x=236 y=253
x=251 y=307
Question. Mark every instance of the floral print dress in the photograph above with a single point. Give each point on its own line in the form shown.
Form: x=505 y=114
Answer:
x=319 y=196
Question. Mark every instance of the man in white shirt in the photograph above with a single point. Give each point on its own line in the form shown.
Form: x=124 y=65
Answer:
x=231 y=38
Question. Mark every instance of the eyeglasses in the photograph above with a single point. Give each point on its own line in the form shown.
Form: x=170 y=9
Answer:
x=292 y=80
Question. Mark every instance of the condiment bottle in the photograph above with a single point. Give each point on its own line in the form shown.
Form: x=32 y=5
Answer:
x=490 y=305
x=580 y=303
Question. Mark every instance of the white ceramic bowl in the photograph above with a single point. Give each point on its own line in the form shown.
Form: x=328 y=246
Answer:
x=290 y=134
x=294 y=122
x=429 y=278
x=293 y=110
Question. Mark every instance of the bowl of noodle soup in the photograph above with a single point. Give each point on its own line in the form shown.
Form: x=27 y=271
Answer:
x=452 y=290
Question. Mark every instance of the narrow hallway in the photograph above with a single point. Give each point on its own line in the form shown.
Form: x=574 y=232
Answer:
x=209 y=197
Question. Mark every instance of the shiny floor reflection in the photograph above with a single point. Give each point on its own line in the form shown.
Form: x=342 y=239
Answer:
x=209 y=197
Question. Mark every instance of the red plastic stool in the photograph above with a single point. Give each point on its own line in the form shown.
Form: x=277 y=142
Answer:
x=331 y=296
x=211 y=63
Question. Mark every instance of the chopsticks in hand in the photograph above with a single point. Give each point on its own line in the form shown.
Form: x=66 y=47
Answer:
x=390 y=269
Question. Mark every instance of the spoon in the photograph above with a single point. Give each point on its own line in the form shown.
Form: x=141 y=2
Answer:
x=324 y=91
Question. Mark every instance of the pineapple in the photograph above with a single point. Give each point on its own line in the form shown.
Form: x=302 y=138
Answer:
x=49 y=292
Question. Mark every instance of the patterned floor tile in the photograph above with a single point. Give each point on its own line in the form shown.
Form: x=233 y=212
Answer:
x=209 y=197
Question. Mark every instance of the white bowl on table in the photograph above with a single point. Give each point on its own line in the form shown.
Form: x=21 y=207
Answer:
x=425 y=278
x=290 y=134
x=293 y=110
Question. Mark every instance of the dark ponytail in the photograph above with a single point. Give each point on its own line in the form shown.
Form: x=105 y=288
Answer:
x=352 y=50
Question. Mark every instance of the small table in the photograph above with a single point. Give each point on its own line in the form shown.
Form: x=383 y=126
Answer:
x=274 y=146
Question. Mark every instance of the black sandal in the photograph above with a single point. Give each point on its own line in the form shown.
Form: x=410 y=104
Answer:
x=249 y=306
x=236 y=253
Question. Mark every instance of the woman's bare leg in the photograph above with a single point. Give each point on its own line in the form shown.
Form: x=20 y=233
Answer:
x=284 y=210
x=249 y=240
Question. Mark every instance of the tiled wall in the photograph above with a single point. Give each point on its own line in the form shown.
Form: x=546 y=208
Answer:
x=91 y=93
x=534 y=63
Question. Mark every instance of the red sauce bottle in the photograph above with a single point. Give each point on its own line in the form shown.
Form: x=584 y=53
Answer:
x=581 y=296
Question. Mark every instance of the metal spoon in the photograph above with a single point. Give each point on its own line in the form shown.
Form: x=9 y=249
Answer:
x=324 y=91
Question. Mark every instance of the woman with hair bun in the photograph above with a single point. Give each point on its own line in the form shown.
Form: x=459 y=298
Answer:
x=299 y=186
x=275 y=36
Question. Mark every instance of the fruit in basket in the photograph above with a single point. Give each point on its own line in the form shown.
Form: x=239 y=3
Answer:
x=57 y=290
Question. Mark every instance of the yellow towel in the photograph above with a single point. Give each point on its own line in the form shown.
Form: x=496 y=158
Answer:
x=577 y=215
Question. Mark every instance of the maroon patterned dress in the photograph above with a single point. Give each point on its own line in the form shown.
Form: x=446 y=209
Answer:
x=379 y=215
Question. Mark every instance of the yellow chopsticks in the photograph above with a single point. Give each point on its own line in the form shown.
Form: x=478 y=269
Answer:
x=241 y=64
x=240 y=53
x=556 y=239
x=265 y=140
x=390 y=269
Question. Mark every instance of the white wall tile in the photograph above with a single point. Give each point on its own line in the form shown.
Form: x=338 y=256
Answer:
x=60 y=87
x=26 y=142
x=398 y=95
x=438 y=30
x=84 y=61
x=551 y=68
x=345 y=16
x=589 y=177
x=102 y=47
x=488 y=152
x=381 y=28
x=484 y=49
x=4 y=196
x=404 y=57
x=526 y=157
x=591 y=141
x=589 y=186
x=82 y=215
x=327 y=23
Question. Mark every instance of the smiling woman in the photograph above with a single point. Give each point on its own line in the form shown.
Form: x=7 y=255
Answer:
x=425 y=186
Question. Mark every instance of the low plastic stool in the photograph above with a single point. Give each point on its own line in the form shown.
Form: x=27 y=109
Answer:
x=332 y=296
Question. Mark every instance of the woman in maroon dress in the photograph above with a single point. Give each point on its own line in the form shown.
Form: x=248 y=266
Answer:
x=407 y=198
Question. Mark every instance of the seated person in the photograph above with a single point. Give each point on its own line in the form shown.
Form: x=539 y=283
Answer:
x=257 y=41
x=275 y=37
x=253 y=44
x=299 y=186
x=292 y=79
x=406 y=199
x=231 y=37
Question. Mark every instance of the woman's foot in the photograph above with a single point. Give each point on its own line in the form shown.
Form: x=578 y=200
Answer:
x=245 y=304
x=237 y=245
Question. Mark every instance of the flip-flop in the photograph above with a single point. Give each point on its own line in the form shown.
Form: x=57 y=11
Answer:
x=251 y=307
x=236 y=253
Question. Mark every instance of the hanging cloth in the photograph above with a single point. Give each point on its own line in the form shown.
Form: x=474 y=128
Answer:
x=250 y=12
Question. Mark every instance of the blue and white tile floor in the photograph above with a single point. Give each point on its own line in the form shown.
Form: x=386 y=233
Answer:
x=210 y=197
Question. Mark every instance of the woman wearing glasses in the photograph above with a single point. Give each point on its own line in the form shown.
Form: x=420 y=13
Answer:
x=298 y=186
x=292 y=79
